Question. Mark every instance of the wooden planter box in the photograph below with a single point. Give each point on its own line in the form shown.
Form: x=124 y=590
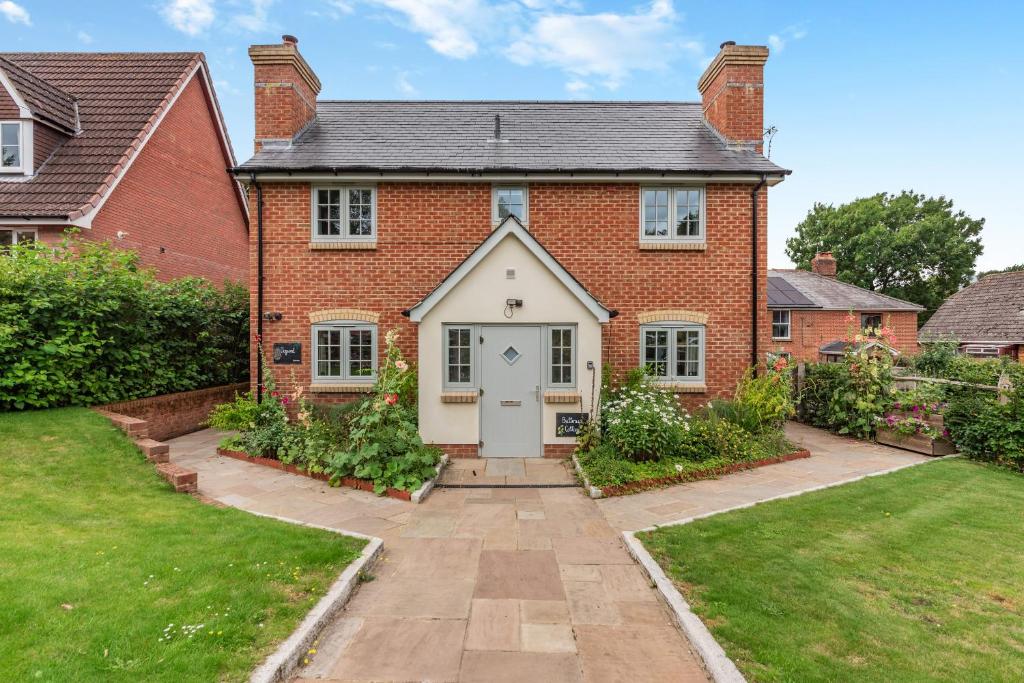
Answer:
x=917 y=442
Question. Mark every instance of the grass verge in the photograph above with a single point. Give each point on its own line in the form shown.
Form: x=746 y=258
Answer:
x=917 y=575
x=106 y=573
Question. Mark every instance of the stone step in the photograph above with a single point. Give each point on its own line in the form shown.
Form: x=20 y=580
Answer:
x=132 y=426
x=155 y=451
x=183 y=480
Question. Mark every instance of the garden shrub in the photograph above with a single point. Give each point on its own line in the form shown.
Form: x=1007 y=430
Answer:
x=762 y=403
x=642 y=421
x=83 y=324
x=375 y=438
x=940 y=360
x=984 y=429
x=847 y=397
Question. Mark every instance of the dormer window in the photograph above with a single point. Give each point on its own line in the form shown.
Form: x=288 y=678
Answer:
x=11 y=154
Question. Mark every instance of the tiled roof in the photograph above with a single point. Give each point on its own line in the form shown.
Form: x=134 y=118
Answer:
x=459 y=136
x=119 y=95
x=830 y=294
x=47 y=102
x=990 y=310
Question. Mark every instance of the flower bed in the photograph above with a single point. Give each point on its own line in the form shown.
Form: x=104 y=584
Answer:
x=350 y=482
x=697 y=473
x=371 y=444
x=642 y=439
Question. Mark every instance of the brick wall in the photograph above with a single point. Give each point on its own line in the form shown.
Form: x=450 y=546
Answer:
x=810 y=330
x=425 y=230
x=172 y=415
x=177 y=202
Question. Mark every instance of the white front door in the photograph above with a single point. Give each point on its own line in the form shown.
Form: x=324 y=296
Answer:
x=510 y=403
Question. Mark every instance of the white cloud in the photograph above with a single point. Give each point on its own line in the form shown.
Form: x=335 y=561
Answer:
x=342 y=6
x=257 y=19
x=777 y=41
x=607 y=46
x=224 y=86
x=404 y=85
x=577 y=87
x=84 y=38
x=15 y=13
x=189 y=16
x=451 y=26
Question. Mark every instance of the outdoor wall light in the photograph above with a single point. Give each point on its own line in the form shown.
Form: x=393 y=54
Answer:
x=510 y=305
x=273 y=315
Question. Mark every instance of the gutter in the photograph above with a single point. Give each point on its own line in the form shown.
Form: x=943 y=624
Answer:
x=259 y=285
x=753 y=272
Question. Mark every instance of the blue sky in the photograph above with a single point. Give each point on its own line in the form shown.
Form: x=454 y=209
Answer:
x=867 y=96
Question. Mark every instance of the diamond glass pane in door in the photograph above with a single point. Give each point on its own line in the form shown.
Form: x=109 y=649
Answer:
x=656 y=352
x=360 y=353
x=688 y=353
x=511 y=355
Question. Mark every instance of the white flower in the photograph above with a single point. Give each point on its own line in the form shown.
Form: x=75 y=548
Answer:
x=679 y=468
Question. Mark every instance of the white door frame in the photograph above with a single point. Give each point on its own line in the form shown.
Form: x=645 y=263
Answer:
x=540 y=384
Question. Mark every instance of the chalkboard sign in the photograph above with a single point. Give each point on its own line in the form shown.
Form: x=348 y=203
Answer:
x=289 y=353
x=569 y=424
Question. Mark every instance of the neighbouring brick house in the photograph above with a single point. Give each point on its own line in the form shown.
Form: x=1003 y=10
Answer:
x=986 y=318
x=814 y=315
x=128 y=147
x=516 y=246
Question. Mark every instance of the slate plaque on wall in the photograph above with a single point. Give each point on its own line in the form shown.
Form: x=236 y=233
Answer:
x=289 y=353
x=569 y=424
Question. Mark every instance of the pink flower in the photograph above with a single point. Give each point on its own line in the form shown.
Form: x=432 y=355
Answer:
x=401 y=365
x=391 y=399
x=284 y=400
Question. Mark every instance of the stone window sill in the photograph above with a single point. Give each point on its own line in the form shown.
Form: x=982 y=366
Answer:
x=343 y=246
x=684 y=387
x=459 y=396
x=673 y=246
x=324 y=388
x=561 y=397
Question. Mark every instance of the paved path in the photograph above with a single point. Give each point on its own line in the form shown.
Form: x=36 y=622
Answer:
x=475 y=584
x=514 y=471
x=493 y=584
x=833 y=459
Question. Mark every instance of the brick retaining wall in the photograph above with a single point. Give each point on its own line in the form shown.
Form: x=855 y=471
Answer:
x=172 y=415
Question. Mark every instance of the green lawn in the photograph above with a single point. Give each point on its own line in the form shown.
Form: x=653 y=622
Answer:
x=913 y=576
x=105 y=572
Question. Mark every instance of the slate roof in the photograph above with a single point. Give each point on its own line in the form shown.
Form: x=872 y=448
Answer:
x=46 y=101
x=990 y=310
x=827 y=293
x=536 y=136
x=119 y=96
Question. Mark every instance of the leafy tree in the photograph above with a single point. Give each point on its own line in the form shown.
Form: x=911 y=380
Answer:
x=908 y=246
x=1009 y=269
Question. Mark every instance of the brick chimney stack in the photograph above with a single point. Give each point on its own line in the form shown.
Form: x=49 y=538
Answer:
x=824 y=264
x=732 y=92
x=286 y=90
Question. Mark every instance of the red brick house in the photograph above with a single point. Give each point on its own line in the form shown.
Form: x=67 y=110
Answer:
x=130 y=148
x=813 y=314
x=516 y=246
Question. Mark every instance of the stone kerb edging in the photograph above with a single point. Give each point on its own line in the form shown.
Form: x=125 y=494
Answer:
x=713 y=657
x=592 y=491
x=285 y=660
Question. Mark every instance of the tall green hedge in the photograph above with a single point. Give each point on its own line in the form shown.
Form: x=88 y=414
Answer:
x=84 y=324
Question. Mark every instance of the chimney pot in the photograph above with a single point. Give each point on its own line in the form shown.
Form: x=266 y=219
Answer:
x=728 y=42
x=289 y=39
x=824 y=264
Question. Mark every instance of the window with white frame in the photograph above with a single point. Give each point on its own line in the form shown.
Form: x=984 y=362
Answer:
x=9 y=236
x=780 y=325
x=509 y=201
x=561 y=356
x=344 y=351
x=11 y=154
x=458 y=353
x=673 y=352
x=672 y=214
x=872 y=322
x=344 y=213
